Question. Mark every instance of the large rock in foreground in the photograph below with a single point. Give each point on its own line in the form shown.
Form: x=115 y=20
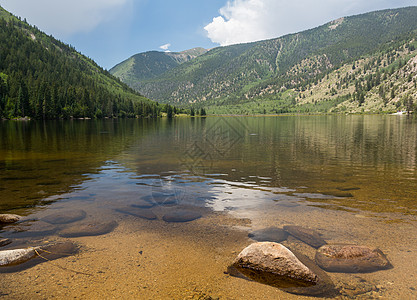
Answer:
x=9 y=218
x=351 y=259
x=275 y=265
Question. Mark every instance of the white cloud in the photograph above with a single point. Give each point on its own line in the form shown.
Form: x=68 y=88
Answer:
x=165 y=47
x=64 y=17
x=243 y=21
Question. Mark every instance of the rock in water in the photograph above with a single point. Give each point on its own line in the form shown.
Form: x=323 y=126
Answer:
x=65 y=217
x=18 y=259
x=137 y=212
x=4 y=242
x=275 y=265
x=143 y=204
x=179 y=216
x=32 y=228
x=271 y=234
x=16 y=256
x=9 y=218
x=351 y=259
x=89 y=229
x=306 y=235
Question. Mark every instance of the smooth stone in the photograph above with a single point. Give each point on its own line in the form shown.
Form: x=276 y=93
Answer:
x=18 y=259
x=89 y=229
x=271 y=234
x=4 y=242
x=9 y=218
x=137 y=212
x=306 y=235
x=181 y=216
x=65 y=217
x=273 y=264
x=351 y=259
x=33 y=228
x=143 y=204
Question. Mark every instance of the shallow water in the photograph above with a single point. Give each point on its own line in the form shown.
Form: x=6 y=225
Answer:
x=351 y=178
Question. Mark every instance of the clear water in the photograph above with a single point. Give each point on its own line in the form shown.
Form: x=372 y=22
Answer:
x=351 y=178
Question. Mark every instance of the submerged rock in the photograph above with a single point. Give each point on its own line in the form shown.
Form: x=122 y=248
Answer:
x=9 y=218
x=141 y=203
x=179 y=216
x=32 y=228
x=89 y=229
x=275 y=265
x=271 y=234
x=306 y=235
x=65 y=217
x=10 y=260
x=351 y=259
x=137 y=212
x=4 y=242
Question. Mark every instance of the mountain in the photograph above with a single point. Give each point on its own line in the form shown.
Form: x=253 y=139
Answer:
x=282 y=74
x=43 y=78
x=152 y=64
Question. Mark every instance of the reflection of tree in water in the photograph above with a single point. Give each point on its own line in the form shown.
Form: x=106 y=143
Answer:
x=40 y=159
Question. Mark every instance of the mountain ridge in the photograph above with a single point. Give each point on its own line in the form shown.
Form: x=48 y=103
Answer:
x=246 y=72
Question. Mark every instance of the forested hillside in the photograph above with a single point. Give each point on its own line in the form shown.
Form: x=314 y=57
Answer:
x=151 y=64
x=307 y=71
x=43 y=78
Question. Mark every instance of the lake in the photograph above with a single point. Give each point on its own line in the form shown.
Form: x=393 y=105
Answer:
x=353 y=179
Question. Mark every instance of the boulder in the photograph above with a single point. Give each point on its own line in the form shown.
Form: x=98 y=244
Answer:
x=273 y=264
x=65 y=217
x=18 y=259
x=351 y=259
x=137 y=212
x=9 y=218
x=89 y=229
x=271 y=234
x=180 y=216
x=306 y=235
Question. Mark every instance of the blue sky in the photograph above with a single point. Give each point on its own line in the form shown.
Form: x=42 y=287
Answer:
x=110 y=31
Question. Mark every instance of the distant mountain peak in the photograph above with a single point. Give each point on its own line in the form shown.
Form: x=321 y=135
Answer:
x=151 y=64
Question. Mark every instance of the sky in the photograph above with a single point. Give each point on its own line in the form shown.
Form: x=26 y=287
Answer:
x=110 y=31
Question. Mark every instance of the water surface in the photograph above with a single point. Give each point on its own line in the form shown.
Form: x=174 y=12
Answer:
x=351 y=178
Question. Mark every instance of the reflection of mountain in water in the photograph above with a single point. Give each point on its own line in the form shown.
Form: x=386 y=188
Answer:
x=365 y=162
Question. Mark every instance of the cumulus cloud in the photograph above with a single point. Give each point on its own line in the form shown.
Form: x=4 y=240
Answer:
x=243 y=21
x=165 y=47
x=64 y=17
